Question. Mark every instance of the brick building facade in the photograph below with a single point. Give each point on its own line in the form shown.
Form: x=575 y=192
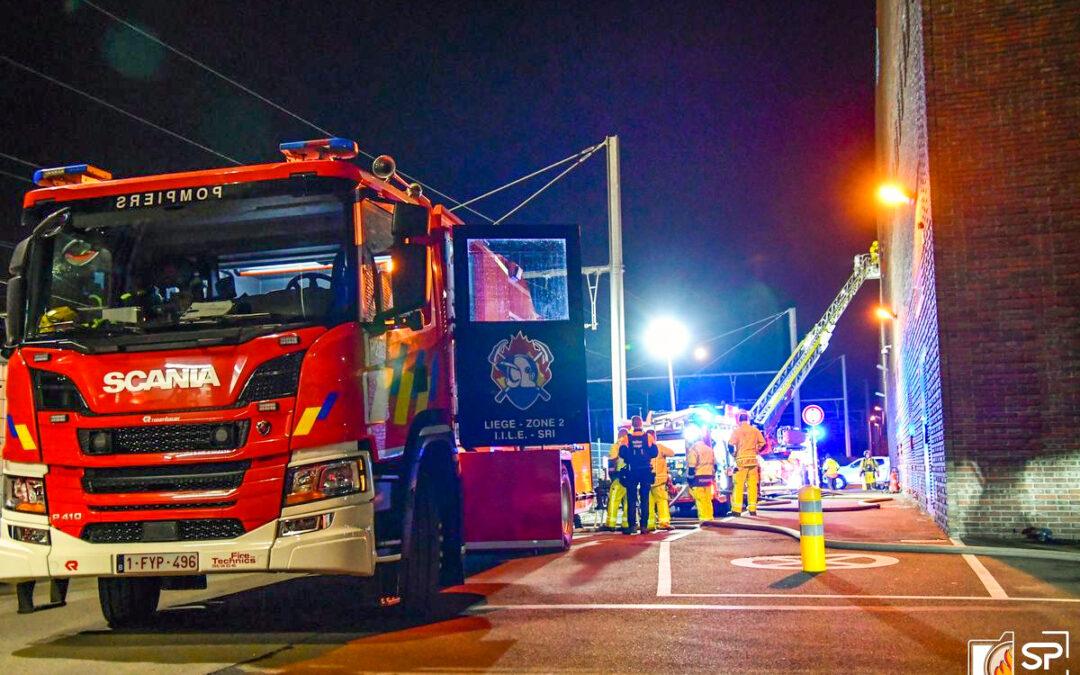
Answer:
x=978 y=117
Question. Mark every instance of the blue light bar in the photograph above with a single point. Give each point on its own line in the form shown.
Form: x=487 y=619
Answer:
x=322 y=148
x=70 y=175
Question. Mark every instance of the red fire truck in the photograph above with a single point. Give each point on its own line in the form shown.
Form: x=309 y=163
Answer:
x=253 y=369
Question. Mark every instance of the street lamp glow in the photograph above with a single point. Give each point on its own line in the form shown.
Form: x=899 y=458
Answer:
x=666 y=338
x=884 y=313
x=891 y=194
x=700 y=353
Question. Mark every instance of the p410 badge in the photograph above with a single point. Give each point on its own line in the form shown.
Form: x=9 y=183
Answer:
x=521 y=368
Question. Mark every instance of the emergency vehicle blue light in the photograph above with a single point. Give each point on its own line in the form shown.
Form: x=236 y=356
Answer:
x=322 y=148
x=817 y=432
x=70 y=175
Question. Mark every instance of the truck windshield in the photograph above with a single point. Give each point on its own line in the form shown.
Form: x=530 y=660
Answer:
x=239 y=260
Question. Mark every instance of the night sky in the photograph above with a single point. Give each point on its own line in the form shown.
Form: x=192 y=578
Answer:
x=746 y=131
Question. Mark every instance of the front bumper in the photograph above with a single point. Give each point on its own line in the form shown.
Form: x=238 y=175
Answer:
x=346 y=546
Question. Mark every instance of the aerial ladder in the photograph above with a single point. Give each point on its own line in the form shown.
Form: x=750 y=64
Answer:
x=767 y=410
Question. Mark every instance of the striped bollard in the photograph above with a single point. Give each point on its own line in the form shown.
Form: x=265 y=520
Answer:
x=811 y=530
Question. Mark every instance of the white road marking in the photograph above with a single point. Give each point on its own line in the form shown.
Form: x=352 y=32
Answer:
x=833 y=561
x=578 y=547
x=667 y=607
x=840 y=596
x=663 y=572
x=988 y=581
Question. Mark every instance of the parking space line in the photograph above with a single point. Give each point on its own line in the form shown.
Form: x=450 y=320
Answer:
x=988 y=581
x=666 y=607
x=663 y=570
x=839 y=596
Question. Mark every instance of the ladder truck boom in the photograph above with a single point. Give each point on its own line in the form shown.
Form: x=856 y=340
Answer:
x=774 y=399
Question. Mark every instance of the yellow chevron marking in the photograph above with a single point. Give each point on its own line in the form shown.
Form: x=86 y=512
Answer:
x=307 y=420
x=25 y=437
x=404 y=398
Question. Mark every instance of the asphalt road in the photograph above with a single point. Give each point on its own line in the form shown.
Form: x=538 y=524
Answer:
x=653 y=603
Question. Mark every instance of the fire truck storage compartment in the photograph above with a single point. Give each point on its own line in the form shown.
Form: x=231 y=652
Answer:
x=512 y=497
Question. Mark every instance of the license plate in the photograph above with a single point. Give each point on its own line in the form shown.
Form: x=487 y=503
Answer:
x=142 y=563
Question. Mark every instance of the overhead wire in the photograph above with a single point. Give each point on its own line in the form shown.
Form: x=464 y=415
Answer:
x=525 y=178
x=116 y=108
x=16 y=176
x=551 y=182
x=264 y=99
x=739 y=343
x=20 y=160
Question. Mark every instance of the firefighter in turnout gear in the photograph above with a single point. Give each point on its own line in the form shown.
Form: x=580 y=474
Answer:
x=701 y=472
x=659 y=509
x=869 y=470
x=617 y=491
x=638 y=451
x=747 y=441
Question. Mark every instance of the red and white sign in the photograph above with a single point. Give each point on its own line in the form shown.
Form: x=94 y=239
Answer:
x=813 y=415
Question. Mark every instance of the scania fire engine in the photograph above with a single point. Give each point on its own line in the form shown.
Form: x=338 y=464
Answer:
x=258 y=369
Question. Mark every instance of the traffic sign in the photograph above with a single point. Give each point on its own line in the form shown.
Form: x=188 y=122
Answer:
x=813 y=415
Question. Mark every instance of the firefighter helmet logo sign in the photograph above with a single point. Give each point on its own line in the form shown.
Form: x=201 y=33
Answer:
x=521 y=368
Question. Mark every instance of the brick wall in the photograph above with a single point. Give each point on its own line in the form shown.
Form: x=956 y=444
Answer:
x=996 y=89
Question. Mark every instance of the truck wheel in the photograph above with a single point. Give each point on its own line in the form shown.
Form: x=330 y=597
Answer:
x=566 y=493
x=419 y=580
x=128 y=602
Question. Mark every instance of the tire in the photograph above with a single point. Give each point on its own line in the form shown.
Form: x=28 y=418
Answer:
x=841 y=483
x=566 y=501
x=129 y=602
x=419 y=571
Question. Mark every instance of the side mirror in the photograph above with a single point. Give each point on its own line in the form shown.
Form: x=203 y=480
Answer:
x=410 y=221
x=409 y=258
x=16 y=311
x=409 y=278
x=16 y=296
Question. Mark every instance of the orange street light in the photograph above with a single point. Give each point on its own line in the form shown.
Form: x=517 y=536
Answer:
x=884 y=313
x=891 y=194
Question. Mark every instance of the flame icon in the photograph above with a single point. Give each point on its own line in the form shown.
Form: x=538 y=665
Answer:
x=521 y=368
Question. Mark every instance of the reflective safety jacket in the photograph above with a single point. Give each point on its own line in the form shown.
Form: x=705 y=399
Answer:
x=747 y=441
x=831 y=468
x=868 y=465
x=638 y=451
x=659 y=463
x=702 y=459
x=615 y=462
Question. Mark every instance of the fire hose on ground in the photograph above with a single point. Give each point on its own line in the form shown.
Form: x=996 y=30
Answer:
x=990 y=551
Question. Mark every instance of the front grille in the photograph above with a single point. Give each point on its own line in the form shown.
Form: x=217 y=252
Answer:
x=163 y=438
x=276 y=378
x=172 y=478
x=167 y=530
x=161 y=507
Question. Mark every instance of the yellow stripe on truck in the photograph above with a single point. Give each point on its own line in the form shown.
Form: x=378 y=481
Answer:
x=307 y=420
x=25 y=437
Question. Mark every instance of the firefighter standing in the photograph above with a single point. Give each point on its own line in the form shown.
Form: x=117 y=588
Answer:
x=659 y=511
x=831 y=468
x=616 y=491
x=869 y=470
x=638 y=451
x=701 y=474
x=747 y=441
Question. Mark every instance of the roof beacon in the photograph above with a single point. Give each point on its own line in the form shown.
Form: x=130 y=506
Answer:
x=323 y=148
x=70 y=175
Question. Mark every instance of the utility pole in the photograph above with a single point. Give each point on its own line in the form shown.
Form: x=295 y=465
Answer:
x=793 y=340
x=615 y=259
x=847 y=427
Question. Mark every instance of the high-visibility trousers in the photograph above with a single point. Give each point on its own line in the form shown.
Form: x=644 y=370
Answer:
x=659 y=511
x=616 y=498
x=703 y=496
x=869 y=478
x=746 y=480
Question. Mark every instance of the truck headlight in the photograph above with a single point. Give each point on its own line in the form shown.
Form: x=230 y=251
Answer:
x=324 y=480
x=22 y=493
